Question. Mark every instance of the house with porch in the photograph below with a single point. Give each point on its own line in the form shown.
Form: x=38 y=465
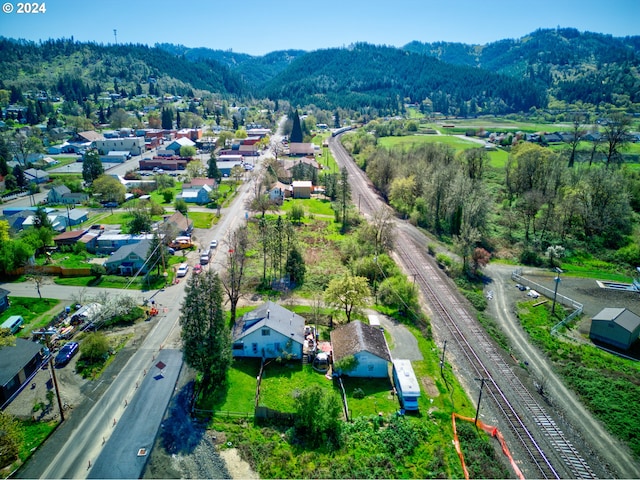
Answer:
x=198 y=194
x=129 y=259
x=366 y=344
x=269 y=331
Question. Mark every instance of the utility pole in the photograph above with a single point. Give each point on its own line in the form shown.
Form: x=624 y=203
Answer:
x=53 y=375
x=482 y=380
x=555 y=292
x=444 y=349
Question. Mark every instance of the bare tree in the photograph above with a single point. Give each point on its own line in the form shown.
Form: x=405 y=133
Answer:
x=616 y=133
x=35 y=274
x=232 y=278
x=577 y=132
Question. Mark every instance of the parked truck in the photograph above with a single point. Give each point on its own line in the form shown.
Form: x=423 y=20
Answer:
x=406 y=383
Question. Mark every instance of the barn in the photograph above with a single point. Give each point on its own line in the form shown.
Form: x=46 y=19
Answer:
x=618 y=327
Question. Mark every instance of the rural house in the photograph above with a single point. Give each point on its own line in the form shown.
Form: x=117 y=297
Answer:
x=128 y=259
x=366 y=344
x=269 y=331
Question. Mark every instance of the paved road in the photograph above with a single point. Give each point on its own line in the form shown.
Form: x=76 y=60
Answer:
x=138 y=426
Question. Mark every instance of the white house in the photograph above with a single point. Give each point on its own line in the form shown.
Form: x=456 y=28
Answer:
x=366 y=344
x=269 y=331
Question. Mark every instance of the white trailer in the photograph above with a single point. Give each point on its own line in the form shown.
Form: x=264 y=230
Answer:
x=406 y=383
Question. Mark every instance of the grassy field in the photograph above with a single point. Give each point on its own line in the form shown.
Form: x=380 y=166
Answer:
x=497 y=158
x=311 y=206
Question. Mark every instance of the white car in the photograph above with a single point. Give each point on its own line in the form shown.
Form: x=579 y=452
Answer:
x=182 y=270
x=213 y=244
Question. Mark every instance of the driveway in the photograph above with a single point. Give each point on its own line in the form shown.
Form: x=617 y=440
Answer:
x=403 y=344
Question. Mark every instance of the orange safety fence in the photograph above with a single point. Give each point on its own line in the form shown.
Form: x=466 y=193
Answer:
x=494 y=432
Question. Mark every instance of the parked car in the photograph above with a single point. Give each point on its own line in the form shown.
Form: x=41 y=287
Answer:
x=66 y=353
x=182 y=270
x=213 y=244
x=197 y=268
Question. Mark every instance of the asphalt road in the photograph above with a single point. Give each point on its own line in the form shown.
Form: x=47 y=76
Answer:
x=138 y=426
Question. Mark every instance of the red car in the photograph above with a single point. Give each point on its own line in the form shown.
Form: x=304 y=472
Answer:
x=197 y=268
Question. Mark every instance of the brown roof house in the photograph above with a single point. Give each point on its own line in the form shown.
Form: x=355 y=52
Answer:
x=366 y=344
x=182 y=224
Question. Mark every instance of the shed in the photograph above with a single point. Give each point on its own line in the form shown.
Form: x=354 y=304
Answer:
x=366 y=344
x=618 y=327
x=301 y=188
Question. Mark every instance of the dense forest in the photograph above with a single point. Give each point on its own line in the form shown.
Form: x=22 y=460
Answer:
x=573 y=66
x=383 y=78
x=550 y=68
x=75 y=70
x=535 y=202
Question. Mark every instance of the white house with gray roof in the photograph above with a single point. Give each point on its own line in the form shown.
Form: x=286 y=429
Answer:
x=269 y=331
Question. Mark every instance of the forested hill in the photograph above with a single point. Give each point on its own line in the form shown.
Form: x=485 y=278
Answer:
x=76 y=70
x=383 y=78
x=573 y=65
x=255 y=70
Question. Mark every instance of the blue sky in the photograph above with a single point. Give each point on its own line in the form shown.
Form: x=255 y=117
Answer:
x=261 y=26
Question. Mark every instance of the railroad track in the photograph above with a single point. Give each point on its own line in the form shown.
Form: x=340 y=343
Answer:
x=462 y=327
x=511 y=398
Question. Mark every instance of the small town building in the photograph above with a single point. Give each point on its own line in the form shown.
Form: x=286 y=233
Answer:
x=366 y=344
x=618 y=327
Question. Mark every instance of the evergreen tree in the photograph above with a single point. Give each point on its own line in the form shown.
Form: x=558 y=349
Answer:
x=296 y=129
x=167 y=118
x=295 y=267
x=212 y=168
x=205 y=337
x=336 y=118
x=178 y=121
x=344 y=196
x=91 y=166
x=4 y=168
x=18 y=172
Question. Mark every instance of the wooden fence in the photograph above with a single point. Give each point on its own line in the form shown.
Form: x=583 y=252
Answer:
x=53 y=270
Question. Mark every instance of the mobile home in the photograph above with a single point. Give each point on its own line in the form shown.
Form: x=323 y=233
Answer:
x=406 y=384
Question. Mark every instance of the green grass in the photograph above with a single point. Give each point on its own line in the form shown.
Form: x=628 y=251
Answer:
x=116 y=281
x=378 y=397
x=202 y=220
x=32 y=310
x=241 y=393
x=312 y=206
x=67 y=259
x=281 y=382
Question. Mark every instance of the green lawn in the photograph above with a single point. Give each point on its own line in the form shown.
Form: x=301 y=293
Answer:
x=202 y=220
x=31 y=309
x=241 y=393
x=282 y=381
x=378 y=397
x=312 y=206
x=68 y=259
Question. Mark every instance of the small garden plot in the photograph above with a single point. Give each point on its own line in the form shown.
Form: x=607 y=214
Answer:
x=281 y=382
x=369 y=396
